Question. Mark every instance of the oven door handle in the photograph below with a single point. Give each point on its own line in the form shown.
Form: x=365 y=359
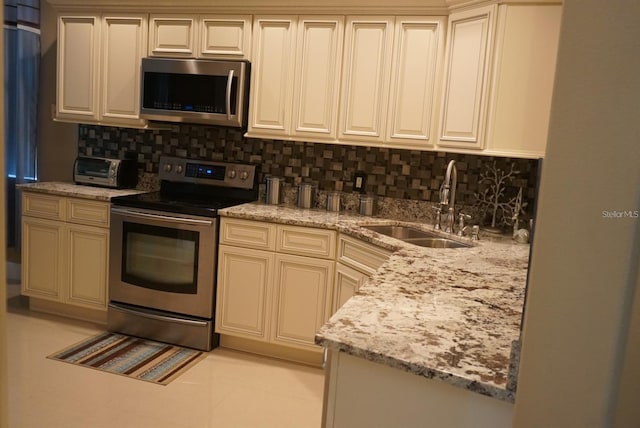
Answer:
x=229 y=82
x=140 y=214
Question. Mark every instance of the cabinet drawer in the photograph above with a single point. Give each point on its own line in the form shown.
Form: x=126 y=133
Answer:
x=247 y=233
x=364 y=257
x=306 y=241
x=43 y=206
x=90 y=213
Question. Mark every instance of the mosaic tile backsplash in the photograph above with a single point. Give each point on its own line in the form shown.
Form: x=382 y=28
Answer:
x=410 y=175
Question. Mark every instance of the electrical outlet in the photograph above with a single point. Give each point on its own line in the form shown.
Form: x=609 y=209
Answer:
x=359 y=181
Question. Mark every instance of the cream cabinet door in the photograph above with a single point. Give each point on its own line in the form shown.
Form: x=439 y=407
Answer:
x=317 y=76
x=302 y=299
x=124 y=44
x=272 y=75
x=78 y=68
x=419 y=45
x=43 y=254
x=524 y=70
x=365 y=78
x=465 y=88
x=347 y=283
x=173 y=35
x=244 y=292
x=88 y=250
x=225 y=36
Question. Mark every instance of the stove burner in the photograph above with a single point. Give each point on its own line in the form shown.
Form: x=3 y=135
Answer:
x=182 y=195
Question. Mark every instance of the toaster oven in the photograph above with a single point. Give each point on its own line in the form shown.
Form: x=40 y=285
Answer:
x=103 y=172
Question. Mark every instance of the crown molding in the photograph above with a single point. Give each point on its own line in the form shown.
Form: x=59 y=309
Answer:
x=386 y=7
x=288 y=7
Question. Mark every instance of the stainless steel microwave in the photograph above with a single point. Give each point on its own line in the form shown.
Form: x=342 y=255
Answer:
x=195 y=91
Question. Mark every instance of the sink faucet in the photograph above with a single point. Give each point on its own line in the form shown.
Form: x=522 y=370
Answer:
x=448 y=194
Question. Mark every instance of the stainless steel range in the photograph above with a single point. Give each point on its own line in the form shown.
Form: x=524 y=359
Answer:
x=163 y=258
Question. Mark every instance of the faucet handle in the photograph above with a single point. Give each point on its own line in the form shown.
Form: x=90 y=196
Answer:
x=461 y=218
x=475 y=232
x=438 y=209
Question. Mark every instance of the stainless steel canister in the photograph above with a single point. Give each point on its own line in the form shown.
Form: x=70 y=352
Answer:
x=367 y=205
x=333 y=201
x=306 y=195
x=274 y=192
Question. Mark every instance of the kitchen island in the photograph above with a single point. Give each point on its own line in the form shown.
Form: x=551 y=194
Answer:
x=444 y=317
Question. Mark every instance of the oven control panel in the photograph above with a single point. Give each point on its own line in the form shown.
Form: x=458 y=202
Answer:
x=226 y=174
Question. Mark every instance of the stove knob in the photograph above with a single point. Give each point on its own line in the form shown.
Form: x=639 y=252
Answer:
x=232 y=174
x=167 y=167
x=179 y=169
x=244 y=175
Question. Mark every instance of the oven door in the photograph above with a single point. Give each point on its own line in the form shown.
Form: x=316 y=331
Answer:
x=163 y=261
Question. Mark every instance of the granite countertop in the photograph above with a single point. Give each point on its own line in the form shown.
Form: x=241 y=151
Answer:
x=76 y=190
x=447 y=314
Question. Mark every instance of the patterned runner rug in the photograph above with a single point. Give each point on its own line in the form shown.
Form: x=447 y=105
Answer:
x=131 y=356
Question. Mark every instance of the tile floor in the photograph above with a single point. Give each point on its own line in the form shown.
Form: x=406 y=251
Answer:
x=227 y=389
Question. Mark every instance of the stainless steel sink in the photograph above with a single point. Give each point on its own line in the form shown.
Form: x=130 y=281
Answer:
x=437 y=243
x=400 y=232
x=416 y=236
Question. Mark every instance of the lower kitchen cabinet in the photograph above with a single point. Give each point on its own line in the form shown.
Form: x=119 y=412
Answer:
x=347 y=283
x=43 y=245
x=357 y=261
x=65 y=246
x=302 y=300
x=245 y=285
x=272 y=295
x=88 y=249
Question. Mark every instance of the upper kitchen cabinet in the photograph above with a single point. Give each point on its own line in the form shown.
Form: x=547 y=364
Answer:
x=295 y=77
x=317 y=82
x=204 y=36
x=417 y=53
x=78 y=67
x=99 y=68
x=172 y=36
x=319 y=79
x=466 y=79
x=365 y=78
x=499 y=79
x=523 y=74
x=272 y=76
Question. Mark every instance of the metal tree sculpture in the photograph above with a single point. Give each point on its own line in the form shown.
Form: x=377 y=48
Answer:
x=490 y=200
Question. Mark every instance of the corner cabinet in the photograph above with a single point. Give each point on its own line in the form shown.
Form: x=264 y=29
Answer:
x=65 y=245
x=498 y=83
x=522 y=79
x=356 y=262
x=99 y=68
x=274 y=282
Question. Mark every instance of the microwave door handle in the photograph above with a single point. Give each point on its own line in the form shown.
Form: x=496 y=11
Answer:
x=229 y=81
